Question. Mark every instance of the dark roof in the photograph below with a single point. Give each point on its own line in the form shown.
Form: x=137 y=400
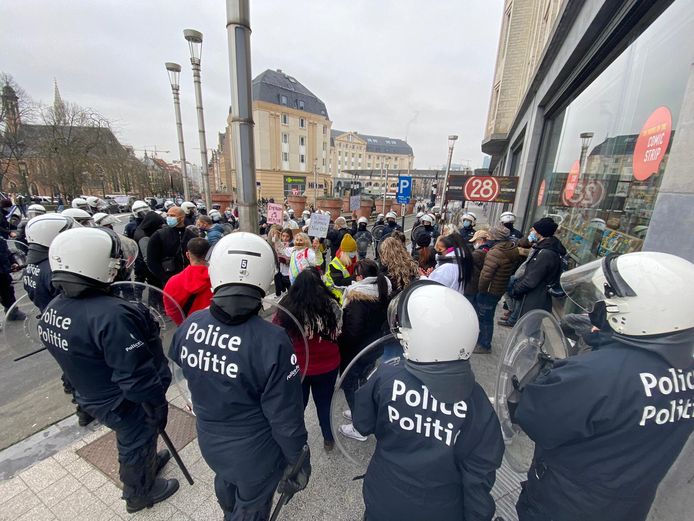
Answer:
x=270 y=86
x=378 y=144
x=37 y=137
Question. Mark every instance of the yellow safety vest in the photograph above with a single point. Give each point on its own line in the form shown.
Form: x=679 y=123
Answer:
x=330 y=284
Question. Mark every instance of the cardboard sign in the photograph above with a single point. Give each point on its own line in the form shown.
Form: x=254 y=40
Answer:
x=274 y=213
x=354 y=203
x=319 y=225
x=652 y=143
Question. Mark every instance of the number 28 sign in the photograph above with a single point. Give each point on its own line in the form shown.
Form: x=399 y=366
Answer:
x=485 y=189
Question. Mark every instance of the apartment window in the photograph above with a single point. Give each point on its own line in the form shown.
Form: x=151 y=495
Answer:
x=323 y=161
x=285 y=156
x=285 y=119
x=302 y=123
x=324 y=145
x=302 y=141
x=359 y=156
x=283 y=100
x=325 y=130
x=302 y=158
x=368 y=165
x=301 y=105
x=285 y=137
x=339 y=153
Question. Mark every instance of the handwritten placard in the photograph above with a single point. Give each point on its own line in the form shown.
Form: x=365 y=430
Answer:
x=274 y=213
x=319 y=225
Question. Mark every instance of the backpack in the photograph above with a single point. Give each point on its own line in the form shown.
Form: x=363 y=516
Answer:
x=555 y=290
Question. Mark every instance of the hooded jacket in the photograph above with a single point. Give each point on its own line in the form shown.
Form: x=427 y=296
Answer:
x=363 y=318
x=446 y=272
x=214 y=233
x=542 y=269
x=499 y=264
x=166 y=251
x=192 y=291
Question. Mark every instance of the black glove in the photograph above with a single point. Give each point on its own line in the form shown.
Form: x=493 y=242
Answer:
x=289 y=484
x=156 y=414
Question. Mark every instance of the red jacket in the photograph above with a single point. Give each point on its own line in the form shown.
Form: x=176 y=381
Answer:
x=194 y=280
x=323 y=355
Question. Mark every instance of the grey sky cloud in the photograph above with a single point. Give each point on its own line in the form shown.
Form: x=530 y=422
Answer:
x=379 y=65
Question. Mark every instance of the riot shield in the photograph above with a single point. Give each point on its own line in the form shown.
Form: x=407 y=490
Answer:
x=535 y=342
x=415 y=231
x=377 y=232
x=357 y=373
x=269 y=313
x=19 y=250
x=364 y=239
x=20 y=329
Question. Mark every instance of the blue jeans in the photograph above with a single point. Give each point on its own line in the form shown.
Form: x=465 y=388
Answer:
x=486 y=307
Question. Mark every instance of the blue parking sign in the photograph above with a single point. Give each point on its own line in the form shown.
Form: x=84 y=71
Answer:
x=404 y=189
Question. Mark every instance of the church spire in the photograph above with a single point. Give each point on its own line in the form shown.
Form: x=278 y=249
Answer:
x=58 y=105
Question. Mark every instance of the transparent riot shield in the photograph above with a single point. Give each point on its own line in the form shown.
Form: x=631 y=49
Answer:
x=357 y=373
x=19 y=250
x=416 y=231
x=20 y=329
x=270 y=313
x=535 y=342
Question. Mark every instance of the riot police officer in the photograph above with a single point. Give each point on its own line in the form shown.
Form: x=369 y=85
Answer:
x=609 y=424
x=244 y=381
x=467 y=230
x=363 y=237
x=139 y=210
x=438 y=440
x=391 y=224
x=111 y=352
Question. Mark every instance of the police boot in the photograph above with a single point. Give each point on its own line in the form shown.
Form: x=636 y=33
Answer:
x=163 y=457
x=83 y=417
x=161 y=490
x=16 y=314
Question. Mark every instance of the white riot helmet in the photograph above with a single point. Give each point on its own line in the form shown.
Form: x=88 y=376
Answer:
x=42 y=229
x=140 y=208
x=380 y=216
x=291 y=211
x=168 y=204
x=79 y=215
x=328 y=213
x=215 y=215
x=104 y=220
x=93 y=202
x=35 y=210
x=636 y=294
x=433 y=323
x=97 y=254
x=362 y=220
x=188 y=208
x=391 y=215
x=79 y=202
x=470 y=216
x=285 y=216
x=420 y=215
x=242 y=258
x=426 y=218
x=306 y=213
x=507 y=217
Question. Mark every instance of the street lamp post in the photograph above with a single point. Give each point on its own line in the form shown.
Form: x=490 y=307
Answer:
x=194 y=39
x=444 y=189
x=586 y=138
x=174 y=70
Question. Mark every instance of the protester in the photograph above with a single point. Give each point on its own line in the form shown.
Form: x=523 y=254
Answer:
x=320 y=316
x=453 y=263
x=339 y=272
x=499 y=263
x=423 y=253
x=363 y=319
x=397 y=264
x=480 y=247
x=303 y=256
x=167 y=246
x=191 y=289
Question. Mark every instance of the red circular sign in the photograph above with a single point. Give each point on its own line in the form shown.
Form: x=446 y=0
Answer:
x=541 y=193
x=481 y=188
x=652 y=143
x=587 y=194
x=572 y=180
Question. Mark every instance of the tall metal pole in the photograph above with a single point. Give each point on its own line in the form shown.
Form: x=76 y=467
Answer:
x=239 y=38
x=315 y=184
x=194 y=39
x=174 y=72
x=444 y=190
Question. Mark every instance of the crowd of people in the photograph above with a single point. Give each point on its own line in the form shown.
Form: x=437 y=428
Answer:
x=439 y=442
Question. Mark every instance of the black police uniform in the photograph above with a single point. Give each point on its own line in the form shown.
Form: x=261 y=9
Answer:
x=467 y=233
x=247 y=397
x=37 y=283
x=390 y=228
x=608 y=425
x=111 y=351
x=130 y=228
x=432 y=460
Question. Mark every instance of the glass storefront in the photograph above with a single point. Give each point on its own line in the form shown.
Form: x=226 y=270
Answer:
x=606 y=153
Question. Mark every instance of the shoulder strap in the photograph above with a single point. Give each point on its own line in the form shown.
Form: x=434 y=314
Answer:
x=189 y=303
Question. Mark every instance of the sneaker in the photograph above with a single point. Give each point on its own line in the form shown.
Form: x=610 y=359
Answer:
x=162 y=489
x=328 y=445
x=347 y=414
x=481 y=350
x=348 y=431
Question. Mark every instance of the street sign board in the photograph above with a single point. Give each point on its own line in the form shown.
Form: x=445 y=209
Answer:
x=319 y=225
x=404 y=189
x=487 y=189
x=354 y=203
x=274 y=213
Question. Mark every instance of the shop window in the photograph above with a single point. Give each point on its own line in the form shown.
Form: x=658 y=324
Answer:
x=606 y=154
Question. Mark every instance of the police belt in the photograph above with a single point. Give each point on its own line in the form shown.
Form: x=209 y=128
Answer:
x=241 y=428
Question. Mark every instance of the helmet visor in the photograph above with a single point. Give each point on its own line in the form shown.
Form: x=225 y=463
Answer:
x=393 y=319
x=584 y=285
x=129 y=249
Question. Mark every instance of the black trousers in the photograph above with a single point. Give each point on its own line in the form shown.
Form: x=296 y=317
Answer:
x=7 y=297
x=246 y=500
x=321 y=385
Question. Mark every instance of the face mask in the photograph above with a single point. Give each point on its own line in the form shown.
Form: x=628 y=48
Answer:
x=532 y=237
x=509 y=226
x=466 y=223
x=171 y=221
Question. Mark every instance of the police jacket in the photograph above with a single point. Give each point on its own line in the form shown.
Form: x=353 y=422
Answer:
x=37 y=283
x=6 y=257
x=130 y=228
x=108 y=348
x=246 y=390
x=608 y=425
x=431 y=462
x=390 y=228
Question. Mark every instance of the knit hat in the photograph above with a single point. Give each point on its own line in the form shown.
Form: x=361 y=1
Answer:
x=499 y=233
x=546 y=227
x=479 y=235
x=348 y=244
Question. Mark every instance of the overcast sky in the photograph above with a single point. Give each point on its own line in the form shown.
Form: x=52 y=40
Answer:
x=399 y=68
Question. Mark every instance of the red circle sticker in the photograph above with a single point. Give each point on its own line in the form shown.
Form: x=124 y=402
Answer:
x=652 y=143
x=481 y=188
x=572 y=180
x=541 y=193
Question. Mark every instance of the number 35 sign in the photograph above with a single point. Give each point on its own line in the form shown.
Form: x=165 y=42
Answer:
x=486 y=189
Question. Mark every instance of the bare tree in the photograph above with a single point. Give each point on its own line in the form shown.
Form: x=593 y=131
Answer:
x=17 y=108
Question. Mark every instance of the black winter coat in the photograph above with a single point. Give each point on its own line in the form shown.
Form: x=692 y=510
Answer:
x=542 y=269
x=6 y=257
x=167 y=246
